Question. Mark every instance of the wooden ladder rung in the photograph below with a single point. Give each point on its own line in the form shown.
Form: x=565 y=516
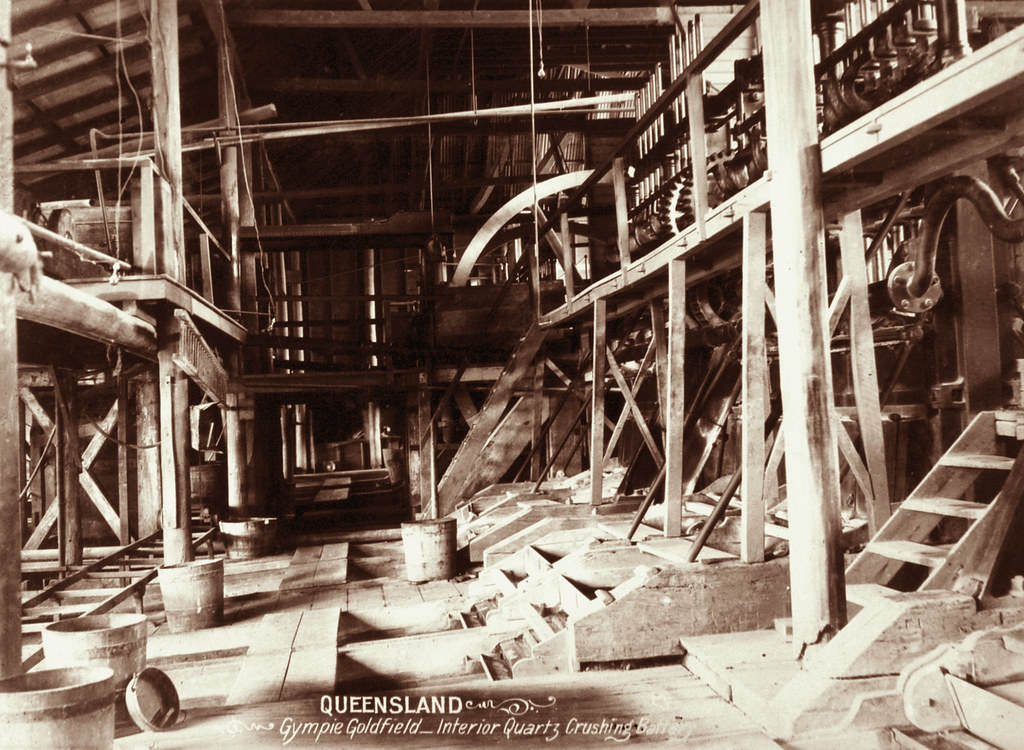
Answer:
x=945 y=506
x=930 y=556
x=976 y=461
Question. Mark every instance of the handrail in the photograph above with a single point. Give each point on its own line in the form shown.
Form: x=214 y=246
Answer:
x=704 y=57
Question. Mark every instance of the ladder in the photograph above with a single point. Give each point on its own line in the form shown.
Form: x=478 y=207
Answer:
x=967 y=563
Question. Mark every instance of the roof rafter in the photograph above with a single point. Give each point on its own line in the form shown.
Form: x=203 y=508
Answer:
x=450 y=19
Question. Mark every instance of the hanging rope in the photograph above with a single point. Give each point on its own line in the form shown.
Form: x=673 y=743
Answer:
x=533 y=153
x=430 y=152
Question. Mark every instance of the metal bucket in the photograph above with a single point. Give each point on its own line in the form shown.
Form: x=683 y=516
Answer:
x=115 y=641
x=250 y=538
x=193 y=594
x=59 y=708
x=429 y=549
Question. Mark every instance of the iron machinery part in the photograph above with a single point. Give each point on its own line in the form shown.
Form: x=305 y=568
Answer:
x=901 y=296
x=675 y=207
x=926 y=246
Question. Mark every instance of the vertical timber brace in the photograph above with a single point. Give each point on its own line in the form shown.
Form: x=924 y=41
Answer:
x=817 y=584
x=597 y=352
x=675 y=405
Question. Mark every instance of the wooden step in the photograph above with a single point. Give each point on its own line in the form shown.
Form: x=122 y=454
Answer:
x=863 y=594
x=976 y=461
x=945 y=506
x=931 y=556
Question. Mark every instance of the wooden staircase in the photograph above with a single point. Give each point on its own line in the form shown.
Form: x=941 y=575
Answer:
x=478 y=462
x=966 y=563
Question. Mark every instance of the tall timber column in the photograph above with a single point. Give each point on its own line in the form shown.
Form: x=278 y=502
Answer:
x=228 y=111
x=147 y=458
x=167 y=120
x=174 y=435
x=10 y=447
x=798 y=241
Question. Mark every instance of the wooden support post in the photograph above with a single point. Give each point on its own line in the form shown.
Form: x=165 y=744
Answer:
x=540 y=415
x=981 y=364
x=533 y=261
x=67 y=421
x=621 y=210
x=865 y=372
x=206 y=268
x=817 y=583
x=163 y=15
x=234 y=448
x=174 y=476
x=600 y=362
x=755 y=388
x=10 y=441
x=228 y=111
x=147 y=457
x=427 y=477
x=568 y=257
x=144 y=220
x=675 y=403
x=122 y=459
x=288 y=438
x=660 y=336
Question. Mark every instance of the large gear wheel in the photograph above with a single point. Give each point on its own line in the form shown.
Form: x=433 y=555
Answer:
x=675 y=208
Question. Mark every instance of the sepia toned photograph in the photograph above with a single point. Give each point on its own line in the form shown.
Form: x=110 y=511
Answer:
x=427 y=374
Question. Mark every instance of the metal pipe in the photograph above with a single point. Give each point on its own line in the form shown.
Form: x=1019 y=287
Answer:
x=951 y=20
x=937 y=209
x=76 y=247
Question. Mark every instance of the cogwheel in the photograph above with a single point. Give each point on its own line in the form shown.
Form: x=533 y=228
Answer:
x=675 y=208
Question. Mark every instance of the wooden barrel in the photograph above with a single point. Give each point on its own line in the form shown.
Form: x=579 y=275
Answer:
x=429 y=549
x=249 y=538
x=117 y=641
x=193 y=594
x=59 y=708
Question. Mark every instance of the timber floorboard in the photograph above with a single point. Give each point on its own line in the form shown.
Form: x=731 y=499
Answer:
x=660 y=707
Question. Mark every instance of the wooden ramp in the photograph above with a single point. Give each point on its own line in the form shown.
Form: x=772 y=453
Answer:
x=325 y=565
x=293 y=654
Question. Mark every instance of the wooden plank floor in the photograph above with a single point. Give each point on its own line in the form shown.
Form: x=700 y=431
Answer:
x=661 y=707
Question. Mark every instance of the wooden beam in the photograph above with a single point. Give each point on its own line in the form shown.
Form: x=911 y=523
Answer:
x=597 y=352
x=755 y=388
x=163 y=16
x=865 y=369
x=415 y=86
x=675 y=402
x=451 y=19
x=49 y=13
x=817 y=590
x=638 y=416
x=63 y=307
x=10 y=439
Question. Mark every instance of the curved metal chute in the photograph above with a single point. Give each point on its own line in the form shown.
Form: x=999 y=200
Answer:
x=505 y=214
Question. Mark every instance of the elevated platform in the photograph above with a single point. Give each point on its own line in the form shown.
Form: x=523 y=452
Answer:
x=159 y=287
x=971 y=110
